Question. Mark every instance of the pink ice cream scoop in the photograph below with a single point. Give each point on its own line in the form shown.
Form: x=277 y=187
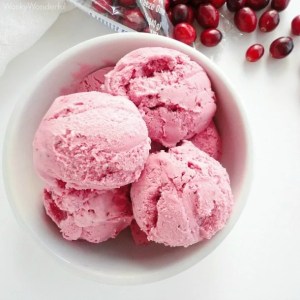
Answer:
x=93 y=81
x=209 y=141
x=182 y=197
x=139 y=236
x=173 y=92
x=90 y=215
x=91 y=141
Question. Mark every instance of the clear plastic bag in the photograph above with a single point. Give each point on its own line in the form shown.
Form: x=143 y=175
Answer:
x=129 y=15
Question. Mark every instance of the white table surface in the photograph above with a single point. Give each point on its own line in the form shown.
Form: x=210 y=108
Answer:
x=260 y=259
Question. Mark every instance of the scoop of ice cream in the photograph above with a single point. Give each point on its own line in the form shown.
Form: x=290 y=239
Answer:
x=90 y=215
x=209 y=141
x=93 y=81
x=139 y=236
x=91 y=141
x=182 y=197
x=172 y=91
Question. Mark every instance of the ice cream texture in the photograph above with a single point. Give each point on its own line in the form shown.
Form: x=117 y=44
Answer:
x=91 y=141
x=172 y=92
x=94 y=81
x=91 y=215
x=209 y=141
x=182 y=197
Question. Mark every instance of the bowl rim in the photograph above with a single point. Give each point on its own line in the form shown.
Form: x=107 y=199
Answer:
x=17 y=114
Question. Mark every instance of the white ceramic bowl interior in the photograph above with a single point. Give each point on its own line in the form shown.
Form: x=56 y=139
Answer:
x=116 y=261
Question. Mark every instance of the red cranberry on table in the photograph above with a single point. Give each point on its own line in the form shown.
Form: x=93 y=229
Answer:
x=269 y=20
x=103 y=6
x=255 y=52
x=134 y=19
x=217 y=3
x=281 y=47
x=182 y=13
x=235 y=5
x=296 y=25
x=280 y=4
x=210 y=37
x=207 y=16
x=257 y=4
x=185 y=33
x=245 y=19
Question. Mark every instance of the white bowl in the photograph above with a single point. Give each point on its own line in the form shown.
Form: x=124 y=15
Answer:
x=116 y=261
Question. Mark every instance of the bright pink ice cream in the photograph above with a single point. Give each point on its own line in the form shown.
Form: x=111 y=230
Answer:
x=91 y=141
x=93 y=81
x=182 y=197
x=90 y=215
x=173 y=93
x=209 y=141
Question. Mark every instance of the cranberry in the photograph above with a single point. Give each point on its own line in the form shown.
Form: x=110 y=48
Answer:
x=269 y=20
x=235 y=5
x=191 y=16
x=103 y=6
x=207 y=16
x=167 y=4
x=255 y=52
x=281 y=47
x=217 y=3
x=175 y=2
x=296 y=25
x=127 y=3
x=182 y=13
x=257 y=4
x=210 y=37
x=198 y=2
x=185 y=33
x=245 y=19
x=170 y=15
x=280 y=4
x=134 y=19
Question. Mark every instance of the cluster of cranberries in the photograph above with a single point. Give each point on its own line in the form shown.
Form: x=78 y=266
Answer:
x=206 y=12
x=125 y=12
x=183 y=14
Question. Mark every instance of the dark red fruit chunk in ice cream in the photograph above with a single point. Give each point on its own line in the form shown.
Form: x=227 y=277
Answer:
x=245 y=19
x=281 y=47
x=255 y=52
x=56 y=212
